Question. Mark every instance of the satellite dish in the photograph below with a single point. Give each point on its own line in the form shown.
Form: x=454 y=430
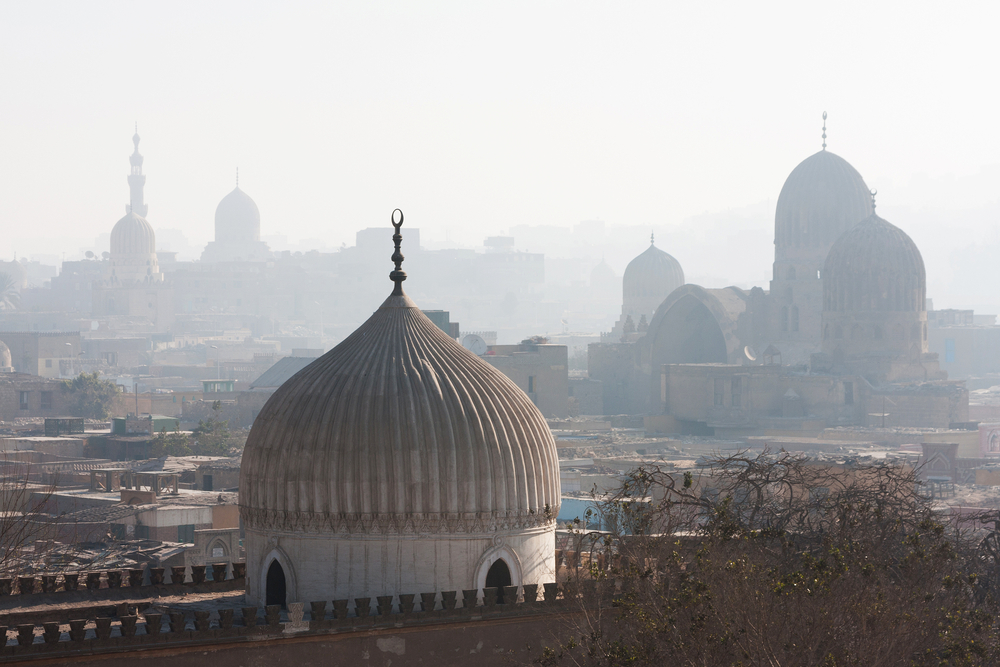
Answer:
x=474 y=344
x=751 y=354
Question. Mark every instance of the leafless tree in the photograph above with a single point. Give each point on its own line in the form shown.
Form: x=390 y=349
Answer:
x=775 y=559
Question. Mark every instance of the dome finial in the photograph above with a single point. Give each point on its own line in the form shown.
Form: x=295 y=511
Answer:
x=651 y=238
x=874 y=192
x=824 y=130
x=397 y=276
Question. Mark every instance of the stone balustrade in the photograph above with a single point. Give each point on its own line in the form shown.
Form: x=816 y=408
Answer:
x=225 y=624
x=133 y=578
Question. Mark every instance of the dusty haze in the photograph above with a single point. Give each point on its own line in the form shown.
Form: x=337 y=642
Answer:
x=682 y=119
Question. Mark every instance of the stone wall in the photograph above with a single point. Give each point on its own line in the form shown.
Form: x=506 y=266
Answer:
x=450 y=628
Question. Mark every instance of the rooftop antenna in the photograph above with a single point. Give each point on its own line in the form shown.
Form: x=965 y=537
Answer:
x=824 y=130
x=398 y=275
x=874 y=192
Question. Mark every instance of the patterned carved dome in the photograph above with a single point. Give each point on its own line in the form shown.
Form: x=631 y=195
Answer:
x=874 y=267
x=399 y=429
x=822 y=198
x=653 y=273
x=237 y=219
x=132 y=235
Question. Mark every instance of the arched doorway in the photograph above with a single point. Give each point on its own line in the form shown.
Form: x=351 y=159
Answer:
x=275 y=593
x=497 y=577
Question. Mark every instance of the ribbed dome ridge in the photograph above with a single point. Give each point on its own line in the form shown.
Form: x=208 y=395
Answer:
x=132 y=235
x=874 y=267
x=822 y=198
x=652 y=273
x=399 y=428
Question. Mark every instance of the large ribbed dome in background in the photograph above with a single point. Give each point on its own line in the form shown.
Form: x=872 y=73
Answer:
x=399 y=426
x=874 y=267
x=822 y=198
x=237 y=219
x=132 y=235
x=653 y=273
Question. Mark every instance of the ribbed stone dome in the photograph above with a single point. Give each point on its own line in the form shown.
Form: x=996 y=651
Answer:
x=399 y=429
x=653 y=273
x=132 y=235
x=237 y=219
x=822 y=198
x=874 y=267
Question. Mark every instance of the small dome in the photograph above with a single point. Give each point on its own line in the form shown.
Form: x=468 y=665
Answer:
x=822 y=198
x=602 y=275
x=5 y=359
x=399 y=429
x=874 y=267
x=132 y=235
x=654 y=273
x=237 y=219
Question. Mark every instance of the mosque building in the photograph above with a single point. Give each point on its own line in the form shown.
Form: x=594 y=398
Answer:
x=237 y=230
x=133 y=288
x=845 y=315
x=398 y=462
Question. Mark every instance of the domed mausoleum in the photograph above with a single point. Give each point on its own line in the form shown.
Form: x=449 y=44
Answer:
x=237 y=230
x=648 y=280
x=874 y=311
x=874 y=290
x=398 y=462
x=822 y=198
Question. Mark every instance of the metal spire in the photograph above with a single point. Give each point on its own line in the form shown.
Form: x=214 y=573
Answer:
x=398 y=275
x=874 y=192
x=824 y=130
x=651 y=238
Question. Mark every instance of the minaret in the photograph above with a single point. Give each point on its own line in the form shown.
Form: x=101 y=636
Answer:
x=135 y=179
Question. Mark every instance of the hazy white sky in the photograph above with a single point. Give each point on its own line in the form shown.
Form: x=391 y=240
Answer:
x=475 y=117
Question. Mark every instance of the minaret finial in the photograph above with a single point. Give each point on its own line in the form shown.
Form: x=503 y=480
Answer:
x=874 y=192
x=651 y=238
x=397 y=276
x=824 y=130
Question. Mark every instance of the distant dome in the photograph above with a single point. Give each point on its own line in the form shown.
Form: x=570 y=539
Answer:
x=5 y=359
x=822 y=198
x=132 y=235
x=237 y=219
x=601 y=275
x=654 y=274
x=874 y=267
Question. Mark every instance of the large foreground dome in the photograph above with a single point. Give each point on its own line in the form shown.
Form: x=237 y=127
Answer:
x=398 y=462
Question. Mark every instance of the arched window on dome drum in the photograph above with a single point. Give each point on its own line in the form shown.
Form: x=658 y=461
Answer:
x=795 y=318
x=791 y=273
x=275 y=593
x=784 y=318
x=497 y=577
